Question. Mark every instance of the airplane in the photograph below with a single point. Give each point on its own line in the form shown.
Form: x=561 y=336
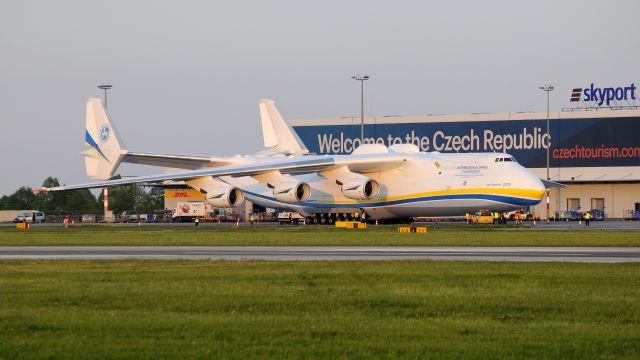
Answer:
x=395 y=182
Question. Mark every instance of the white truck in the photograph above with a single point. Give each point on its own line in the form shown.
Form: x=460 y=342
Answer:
x=286 y=217
x=30 y=216
x=187 y=211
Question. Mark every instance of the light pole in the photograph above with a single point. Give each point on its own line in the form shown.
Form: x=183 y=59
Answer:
x=105 y=87
x=548 y=89
x=362 y=79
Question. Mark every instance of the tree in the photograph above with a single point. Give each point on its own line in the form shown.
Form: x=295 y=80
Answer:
x=3 y=202
x=81 y=202
x=21 y=199
x=51 y=202
x=122 y=198
x=157 y=198
x=148 y=202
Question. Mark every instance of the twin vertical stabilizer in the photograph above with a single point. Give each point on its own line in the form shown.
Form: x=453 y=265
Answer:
x=278 y=135
x=106 y=150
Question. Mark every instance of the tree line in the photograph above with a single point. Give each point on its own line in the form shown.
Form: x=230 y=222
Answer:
x=129 y=198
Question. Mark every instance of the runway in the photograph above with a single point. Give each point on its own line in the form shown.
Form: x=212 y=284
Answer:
x=560 y=254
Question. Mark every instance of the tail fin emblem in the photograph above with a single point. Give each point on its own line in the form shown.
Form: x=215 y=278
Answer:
x=104 y=133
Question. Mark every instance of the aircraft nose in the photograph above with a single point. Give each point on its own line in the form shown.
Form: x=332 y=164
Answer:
x=537 y=185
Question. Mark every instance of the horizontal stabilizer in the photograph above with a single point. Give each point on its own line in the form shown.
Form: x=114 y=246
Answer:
x=548 y=184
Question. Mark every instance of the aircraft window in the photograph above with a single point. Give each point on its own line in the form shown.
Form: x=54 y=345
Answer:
x=505 y=159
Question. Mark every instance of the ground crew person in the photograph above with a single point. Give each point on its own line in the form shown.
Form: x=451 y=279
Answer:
x=252 y=219
x=197 y=221
x=468 y=216
x=495 y=217
x=517 y=217
x=587 y=217
x=363 y=216
x=356 y=216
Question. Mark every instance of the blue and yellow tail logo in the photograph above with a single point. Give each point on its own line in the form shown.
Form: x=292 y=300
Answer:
x=88 y=141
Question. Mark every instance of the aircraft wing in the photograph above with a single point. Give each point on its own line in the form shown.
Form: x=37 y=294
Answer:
x=292 y=165
x=174 y=161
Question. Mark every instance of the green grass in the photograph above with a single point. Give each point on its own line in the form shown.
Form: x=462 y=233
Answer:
x=261 y=309
x=441 y=235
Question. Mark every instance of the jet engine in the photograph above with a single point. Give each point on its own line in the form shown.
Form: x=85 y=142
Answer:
x=291 y=192
x=226 y=196
x=360 y=189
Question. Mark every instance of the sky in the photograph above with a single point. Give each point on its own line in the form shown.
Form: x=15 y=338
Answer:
x=187 y=75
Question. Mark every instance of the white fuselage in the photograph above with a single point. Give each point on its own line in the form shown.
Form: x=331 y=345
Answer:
x=429 y=184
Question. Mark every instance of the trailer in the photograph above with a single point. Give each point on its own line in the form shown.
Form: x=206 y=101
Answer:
x=188 y=211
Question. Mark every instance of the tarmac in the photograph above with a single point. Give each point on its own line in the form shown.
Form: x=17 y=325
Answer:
x=537 y=254
x=616 y=225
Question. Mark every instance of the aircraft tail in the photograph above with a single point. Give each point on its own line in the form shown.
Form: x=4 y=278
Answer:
x=106 y=148
x=278 y=135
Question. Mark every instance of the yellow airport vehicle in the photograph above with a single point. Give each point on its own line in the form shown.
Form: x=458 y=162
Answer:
x=482 y=217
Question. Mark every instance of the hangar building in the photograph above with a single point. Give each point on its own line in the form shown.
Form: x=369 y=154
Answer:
x=595 y=151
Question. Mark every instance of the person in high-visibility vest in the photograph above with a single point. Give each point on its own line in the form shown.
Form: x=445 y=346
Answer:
x=363 y=216
x=468 y=217
x=517 y=217
x=587 y=217
x=356 y=216
x=197 y=220
x=495 y=217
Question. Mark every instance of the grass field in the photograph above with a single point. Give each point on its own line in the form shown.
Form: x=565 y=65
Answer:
x=441 y=235
x=249 y=309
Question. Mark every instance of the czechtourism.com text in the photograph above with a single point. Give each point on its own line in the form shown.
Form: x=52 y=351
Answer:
x=602 y=152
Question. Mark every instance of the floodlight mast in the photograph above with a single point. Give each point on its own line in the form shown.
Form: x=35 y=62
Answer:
x=548 y=88
x=362 y=79
x=105 y=87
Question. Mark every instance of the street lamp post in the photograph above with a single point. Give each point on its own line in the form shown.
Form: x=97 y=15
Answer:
x=362 y=79
x=548 y=89
x=105 y=87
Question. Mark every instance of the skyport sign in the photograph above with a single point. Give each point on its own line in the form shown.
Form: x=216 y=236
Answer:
x=605 y=95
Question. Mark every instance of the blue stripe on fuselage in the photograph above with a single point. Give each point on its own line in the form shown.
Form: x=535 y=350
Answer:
x=497 y=198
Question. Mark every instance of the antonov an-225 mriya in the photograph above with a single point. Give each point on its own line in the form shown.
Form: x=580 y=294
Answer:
x=391 y=182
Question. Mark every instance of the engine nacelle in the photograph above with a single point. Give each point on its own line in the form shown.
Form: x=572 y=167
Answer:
x=291 y=192
x=360 y=189
x=226 y=196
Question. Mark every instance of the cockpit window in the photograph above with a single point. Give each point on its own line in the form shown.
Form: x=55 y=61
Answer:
x=505 y=159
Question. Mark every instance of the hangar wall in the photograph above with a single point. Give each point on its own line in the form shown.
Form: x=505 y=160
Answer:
x=596 y=153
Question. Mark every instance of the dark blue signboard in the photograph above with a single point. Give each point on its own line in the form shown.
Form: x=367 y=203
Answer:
x=589 y=142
